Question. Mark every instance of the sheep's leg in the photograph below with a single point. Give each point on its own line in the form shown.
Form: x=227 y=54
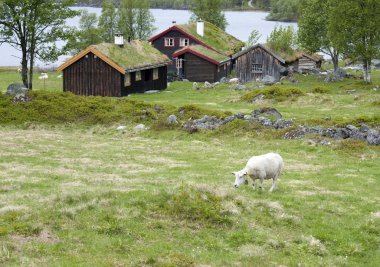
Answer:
x=253 y=182
x=274 y=185
x=262 y=177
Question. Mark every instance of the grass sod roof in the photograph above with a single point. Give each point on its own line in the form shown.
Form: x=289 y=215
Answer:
x=214 y=37
x=206 y=52
x=291 y=56
x=134 y=55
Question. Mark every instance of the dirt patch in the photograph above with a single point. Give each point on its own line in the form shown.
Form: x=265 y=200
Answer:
x=376 y=214
x=251 y=250
x=44 y=237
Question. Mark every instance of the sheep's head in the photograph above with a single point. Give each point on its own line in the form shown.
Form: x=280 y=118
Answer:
x=240 y=177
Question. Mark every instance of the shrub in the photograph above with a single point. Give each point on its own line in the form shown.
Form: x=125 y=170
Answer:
x=196 y=206
x=274 y=92
x=321 y=90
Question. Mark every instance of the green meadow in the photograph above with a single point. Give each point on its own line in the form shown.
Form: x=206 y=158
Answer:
x=75 y=191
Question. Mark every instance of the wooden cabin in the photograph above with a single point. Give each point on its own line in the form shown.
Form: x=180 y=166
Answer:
x=174 y=41
x=198 y=63
x=115 y=70
x=258 y=61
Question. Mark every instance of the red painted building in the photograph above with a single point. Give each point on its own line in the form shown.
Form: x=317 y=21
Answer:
x=199 y=51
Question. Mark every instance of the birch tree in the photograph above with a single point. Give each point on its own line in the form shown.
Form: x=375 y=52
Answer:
x=33 y=27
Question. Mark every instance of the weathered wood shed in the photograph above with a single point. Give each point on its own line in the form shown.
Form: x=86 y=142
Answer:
x=258 y=61
x=111 y=70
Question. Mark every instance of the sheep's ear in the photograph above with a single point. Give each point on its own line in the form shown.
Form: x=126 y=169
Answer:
x=233 y=173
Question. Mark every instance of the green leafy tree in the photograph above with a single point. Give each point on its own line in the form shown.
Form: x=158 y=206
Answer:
x=282 y=39
x=253 y=38
x=313 y=29
x=87 y=34
x=358 y=29
x=135 y=19
x=127 y=18
x=33 y=27
x=108 y=20
x=209 y=10
x=144 y=20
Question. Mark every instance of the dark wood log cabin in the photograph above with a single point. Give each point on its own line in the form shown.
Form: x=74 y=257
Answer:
x=198 y=63
x=111 y=70
x=258 y=61
x=198 y=34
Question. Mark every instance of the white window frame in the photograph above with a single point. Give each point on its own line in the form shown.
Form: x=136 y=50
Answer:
x=138 y=76
x=155 y=74
x=184 y=42
x=127 y=79
x=169 y=42
x=257 y=68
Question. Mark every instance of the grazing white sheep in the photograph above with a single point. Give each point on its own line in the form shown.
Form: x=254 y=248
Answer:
x=268 y=166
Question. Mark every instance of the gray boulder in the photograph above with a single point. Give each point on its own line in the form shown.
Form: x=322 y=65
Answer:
x=373 y=137
x=267 y=111
x=172 y=119
x=140 y=127
x=224 y=80
x=16 y=89
x=268 y=79
x=207 y=85
x=238 y=87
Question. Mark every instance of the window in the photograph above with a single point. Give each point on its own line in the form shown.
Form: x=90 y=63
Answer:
x=169 y=42
x=257 y=68
x=184 y=42
x=127 y=79
x=138 y=75
x=155 y=74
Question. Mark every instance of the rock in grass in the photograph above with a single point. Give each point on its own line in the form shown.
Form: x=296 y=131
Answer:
x=121 y=128
x=196 y=86
x=140 y=127
x=172 y=119
x=16 y=89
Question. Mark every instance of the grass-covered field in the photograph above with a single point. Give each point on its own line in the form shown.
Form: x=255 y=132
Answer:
x=74 y=191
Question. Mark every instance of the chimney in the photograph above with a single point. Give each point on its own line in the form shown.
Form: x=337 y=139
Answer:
x=119 y=39
x=200 y=28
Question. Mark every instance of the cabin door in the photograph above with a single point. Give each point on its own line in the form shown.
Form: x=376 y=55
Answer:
x=148 y=80
x=180 y=66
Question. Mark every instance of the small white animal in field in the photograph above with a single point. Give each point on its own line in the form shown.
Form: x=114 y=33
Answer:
x=43 y=76
x=268 y=166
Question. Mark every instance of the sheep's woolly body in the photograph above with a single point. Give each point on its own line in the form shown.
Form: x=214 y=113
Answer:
x=268 y=166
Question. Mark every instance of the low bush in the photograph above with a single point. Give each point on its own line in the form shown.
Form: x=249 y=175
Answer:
x=53 y=108
x=196 y=206
x=321 y=90
x=274 y=92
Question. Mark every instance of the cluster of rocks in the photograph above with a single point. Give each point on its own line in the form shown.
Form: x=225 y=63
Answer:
x=372 y=136
x=18 y=91
x=335 y=76
x=212 y=122
x=260 y=116
x=234 y=81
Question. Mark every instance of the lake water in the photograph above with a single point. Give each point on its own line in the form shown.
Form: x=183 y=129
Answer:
x=240 y=25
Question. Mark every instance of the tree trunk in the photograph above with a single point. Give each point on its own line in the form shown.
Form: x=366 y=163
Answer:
x=335 y=60
x=24 y=68
x=31 y=73
x=367 y=71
